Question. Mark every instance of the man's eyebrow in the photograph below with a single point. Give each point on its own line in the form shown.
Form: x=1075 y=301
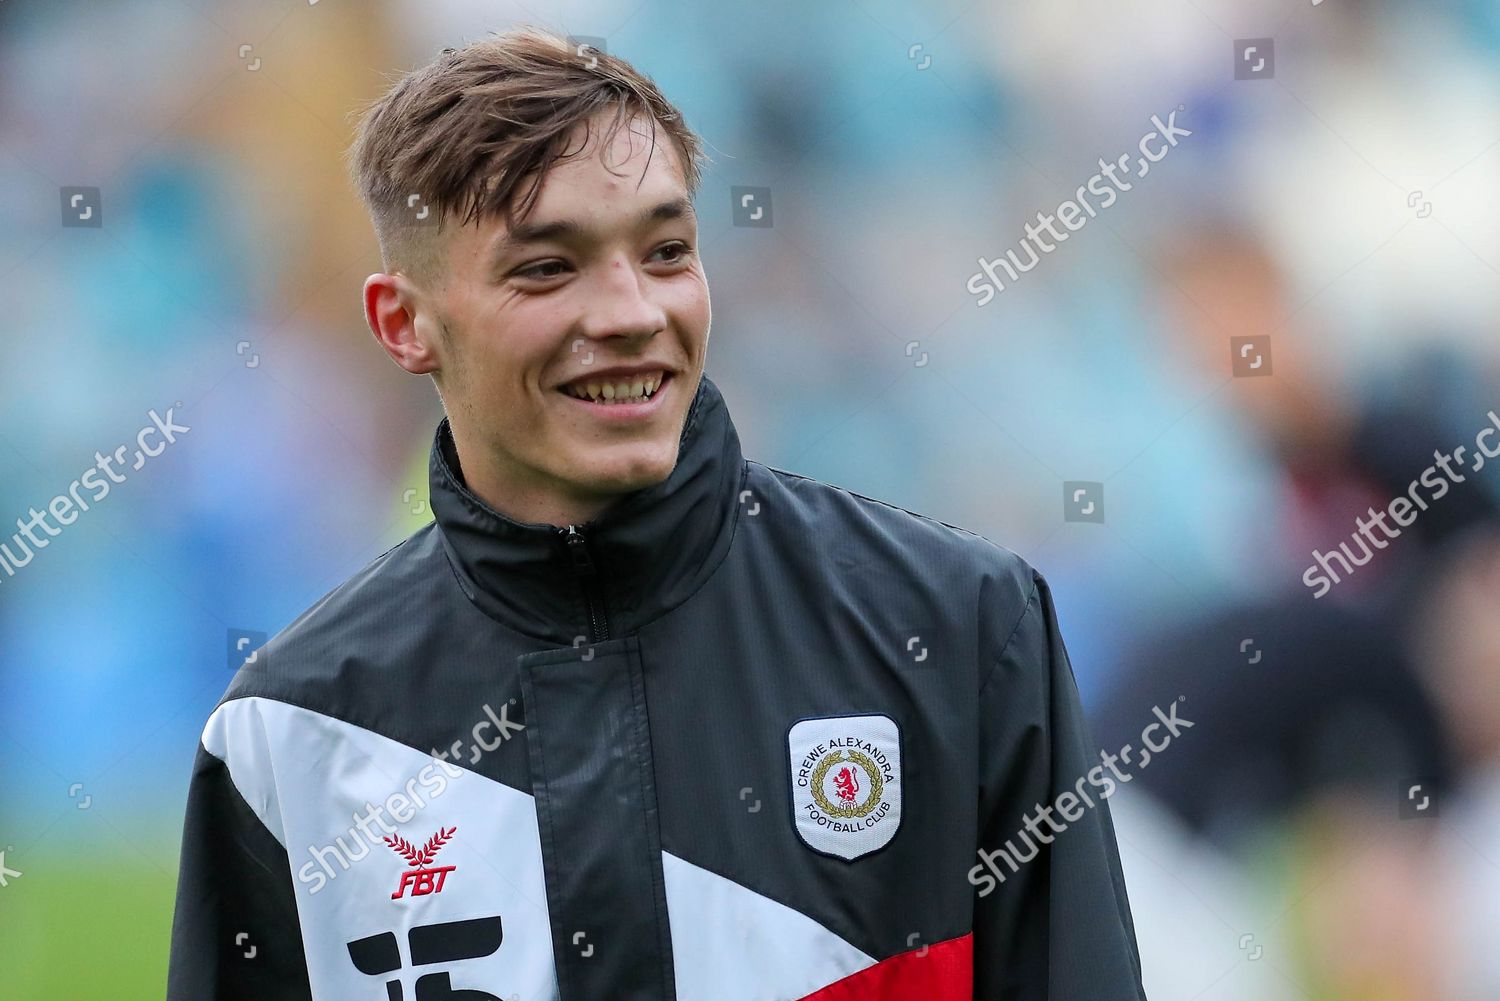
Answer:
x=568 y=230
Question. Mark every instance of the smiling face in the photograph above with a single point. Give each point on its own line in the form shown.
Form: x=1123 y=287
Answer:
x=536 y=333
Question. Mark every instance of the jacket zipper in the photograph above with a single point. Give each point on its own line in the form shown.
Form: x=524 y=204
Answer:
x=587 y=573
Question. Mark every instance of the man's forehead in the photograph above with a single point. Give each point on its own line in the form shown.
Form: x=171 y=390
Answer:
x=547 y=225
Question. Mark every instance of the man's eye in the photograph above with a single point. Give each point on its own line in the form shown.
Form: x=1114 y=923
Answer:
x=681 y=251
x=536 y=270
x=554 y=268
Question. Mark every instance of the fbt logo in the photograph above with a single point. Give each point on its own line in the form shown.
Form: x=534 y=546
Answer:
x=448 y=942
x=424 y=877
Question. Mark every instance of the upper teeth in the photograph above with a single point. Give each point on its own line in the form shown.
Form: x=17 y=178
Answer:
x=631 y=390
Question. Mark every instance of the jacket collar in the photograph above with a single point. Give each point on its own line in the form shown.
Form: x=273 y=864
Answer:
x=651 y=549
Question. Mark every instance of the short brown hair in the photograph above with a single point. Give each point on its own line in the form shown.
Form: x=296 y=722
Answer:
x=463 y=132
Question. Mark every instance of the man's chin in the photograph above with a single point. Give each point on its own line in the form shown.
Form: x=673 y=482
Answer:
x=622 y=469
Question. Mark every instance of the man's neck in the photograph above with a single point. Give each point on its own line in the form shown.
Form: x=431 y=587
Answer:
x=528 y=502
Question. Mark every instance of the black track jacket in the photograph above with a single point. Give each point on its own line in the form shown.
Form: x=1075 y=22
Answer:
x=740 y=738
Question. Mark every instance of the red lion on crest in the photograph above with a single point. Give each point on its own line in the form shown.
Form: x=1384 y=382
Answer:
x=847 y=784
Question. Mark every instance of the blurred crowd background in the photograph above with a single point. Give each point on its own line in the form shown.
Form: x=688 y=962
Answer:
x=1330 y=826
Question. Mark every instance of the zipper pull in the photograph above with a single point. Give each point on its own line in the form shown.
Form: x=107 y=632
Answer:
x=578 y=550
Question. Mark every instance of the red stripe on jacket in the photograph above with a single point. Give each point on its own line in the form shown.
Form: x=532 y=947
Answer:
x=941 y=972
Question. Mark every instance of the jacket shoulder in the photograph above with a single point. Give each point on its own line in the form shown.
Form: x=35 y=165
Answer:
x=352 y=622
x=856 y=532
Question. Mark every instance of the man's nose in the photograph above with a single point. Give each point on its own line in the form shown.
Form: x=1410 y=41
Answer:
x=620 y=305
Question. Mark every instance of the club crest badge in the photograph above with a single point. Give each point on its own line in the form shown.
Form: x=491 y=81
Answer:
x=846 y=783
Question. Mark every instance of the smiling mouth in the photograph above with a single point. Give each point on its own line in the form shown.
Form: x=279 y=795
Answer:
x=633 y=389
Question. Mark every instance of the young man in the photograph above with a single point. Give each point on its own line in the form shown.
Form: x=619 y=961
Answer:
x=635 y=718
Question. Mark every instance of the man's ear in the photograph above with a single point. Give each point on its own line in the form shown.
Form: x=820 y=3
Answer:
x=400 y=317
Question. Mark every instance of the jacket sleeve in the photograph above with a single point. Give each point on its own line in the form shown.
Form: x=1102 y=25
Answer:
x=1051 y=919
x=235 y=934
